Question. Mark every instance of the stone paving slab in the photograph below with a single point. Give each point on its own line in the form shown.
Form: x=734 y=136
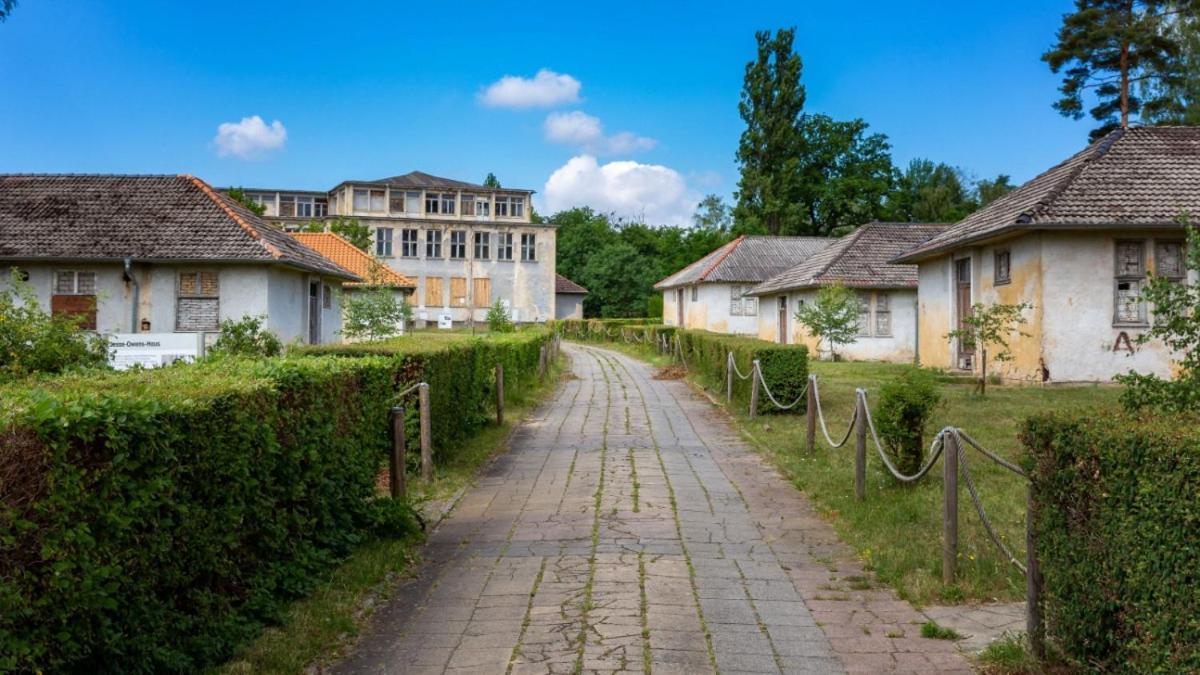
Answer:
x=629 y=529
x=980 y=624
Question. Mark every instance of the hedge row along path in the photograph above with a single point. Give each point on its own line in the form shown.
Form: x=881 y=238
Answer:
x=630 y=529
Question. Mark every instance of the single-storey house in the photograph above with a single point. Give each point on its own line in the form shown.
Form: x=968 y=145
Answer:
x=709 y=294
x=887 y=293
x=568 y=298
x=163 y=254
x=374 y=273
x=1078 y=243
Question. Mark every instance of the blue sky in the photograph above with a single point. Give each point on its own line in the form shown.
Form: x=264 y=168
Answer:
x=366 y=90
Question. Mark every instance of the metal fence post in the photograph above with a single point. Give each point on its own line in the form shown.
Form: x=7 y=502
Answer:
x=1033 y=586
x=729 y=376
x=860 y=445
x=396 y=462
x=811 y=411
x=499 y=394
x=426 y=446
x=950 y=508
x=755 y=374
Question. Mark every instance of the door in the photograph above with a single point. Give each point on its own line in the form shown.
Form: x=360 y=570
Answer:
x=314 y=312
x=679 y=307
x=783 y=318
x=962 y=294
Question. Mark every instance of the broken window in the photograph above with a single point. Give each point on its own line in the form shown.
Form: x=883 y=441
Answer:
x=320 y=207
x=287 y=206
x=197 y=304
x=1168 y=260
x=883 y=315
x=395 y=201
x=864 y=314
x=74 y=296
x=1003 y=265
x=1129 y=307
x=458 y=244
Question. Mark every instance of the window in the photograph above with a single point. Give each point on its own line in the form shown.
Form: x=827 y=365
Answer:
x=883 y=315
x=448 y=201
x=1003 y=267
x=197 y=304
x=408 y=243
x=433 y=243
x=439 y=202
x=739 y=303
x=695 y=292
x=396 y=202
x=304 y=207
x=482 y=245
x=501 y=206
x=528 y=247
x=504 y=246
x=1129 y=276
x=483 y=206
x=362 y=200
x=412 y=203
x=468 y=205
x=1168 y=260
x=510 y=207
x=383 y=242
x=374 y=201
x=75 y=296
x=320 y=207
x=458 y=244
x=267 y=201
x=287 y=206
x=326 y=296
x=864 y=314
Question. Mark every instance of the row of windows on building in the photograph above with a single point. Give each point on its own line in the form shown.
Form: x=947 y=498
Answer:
x=456 y=244
x=874 y=308
x=292 y=206
x=409 y=203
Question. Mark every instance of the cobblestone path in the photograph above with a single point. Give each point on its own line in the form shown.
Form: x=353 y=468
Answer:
x=630 y=529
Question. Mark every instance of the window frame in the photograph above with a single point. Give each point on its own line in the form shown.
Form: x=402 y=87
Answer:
x=1182 y=271
x=504 y=246
x=886 y=297
x=75 y=274
x=383 y=243
x=458 y=244
x=405 y=244
x=529 y=246
x=482 y=241
x=433 y=244
x=199 y=294
x=997 y=278
x=1123 y=276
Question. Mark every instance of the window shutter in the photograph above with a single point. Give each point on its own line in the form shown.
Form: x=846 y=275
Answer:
x=483 y=292
x=458 y=292
x=433 y=291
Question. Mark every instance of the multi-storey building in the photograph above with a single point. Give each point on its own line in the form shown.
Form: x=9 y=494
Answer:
x=466 y=245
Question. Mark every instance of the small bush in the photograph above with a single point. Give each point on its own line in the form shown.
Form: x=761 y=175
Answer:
x=901 y=414
x=35 y=341
x=933 y=631
x=1115 y=513
x=246 y=337
x=498 y=320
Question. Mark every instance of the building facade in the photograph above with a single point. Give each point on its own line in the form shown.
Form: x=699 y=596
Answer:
x=1077 y=243
x=465 y=245
x=710 y=294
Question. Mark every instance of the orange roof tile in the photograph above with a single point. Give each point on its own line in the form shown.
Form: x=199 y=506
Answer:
x=347 y=255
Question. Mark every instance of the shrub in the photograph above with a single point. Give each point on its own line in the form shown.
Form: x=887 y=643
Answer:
x=160 y=517
x=246 y=337
x=34 y=341
x=374 y=313
x=832 y=317
x=784 y=367
x=1115 y=512
x=498 y=320
x=905 y=405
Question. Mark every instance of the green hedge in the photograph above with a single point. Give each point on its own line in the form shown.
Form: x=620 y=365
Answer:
x=153 y=521
x=1117 y=519
x=595 y=329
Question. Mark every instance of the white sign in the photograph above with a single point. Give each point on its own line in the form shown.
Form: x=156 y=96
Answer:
x=445 y=321
x=151 y=350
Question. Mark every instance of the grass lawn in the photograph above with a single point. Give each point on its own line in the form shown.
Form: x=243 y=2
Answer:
x=897 y=528
x=318 y=628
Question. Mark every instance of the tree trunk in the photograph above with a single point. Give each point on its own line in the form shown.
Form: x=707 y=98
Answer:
x=1125 y=85
x=983 y=371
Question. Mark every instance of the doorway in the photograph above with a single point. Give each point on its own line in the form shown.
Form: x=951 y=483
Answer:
x=679 y=307
x=962 y=294
x=314 y=312
x=783 y=319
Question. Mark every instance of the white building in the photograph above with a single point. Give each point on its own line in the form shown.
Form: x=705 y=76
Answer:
x=163 y=254
x=1078 y=243
x=710 y=295
x=887 y=293
x=568 y=298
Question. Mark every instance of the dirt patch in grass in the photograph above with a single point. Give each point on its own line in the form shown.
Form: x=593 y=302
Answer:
x=675 y=372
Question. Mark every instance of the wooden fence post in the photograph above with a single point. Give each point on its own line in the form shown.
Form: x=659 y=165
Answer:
x=754 y=375
x=542 y=362
x=499 y=394
x=426 y=446
x=811 y=411
x=729 y=376
x=860 y=445
x=950 y=509
x=396 y=463
x=1033 y=586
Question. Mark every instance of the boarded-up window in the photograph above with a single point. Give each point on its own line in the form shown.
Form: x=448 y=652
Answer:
x=197 y=303
x=864 y=314
x=482 y=290
x=883 y=315
x=1129 y=275
x=458 y=291
x=434 y=287
x=1168 y=259
x=739 y=303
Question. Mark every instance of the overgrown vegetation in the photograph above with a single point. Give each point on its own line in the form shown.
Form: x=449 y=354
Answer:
x=266 y=467
x=832 y=317
x=374 y=313
x=1115 y=512
x=348 y=228
x=498 y=320
x=35 y=341
x=246 y=337
x=902 y=415
x=934 y=631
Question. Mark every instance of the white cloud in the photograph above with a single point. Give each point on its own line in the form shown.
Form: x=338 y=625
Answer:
x=650 y=192
x=585 y=132
x=249 y=139
x=545 y=89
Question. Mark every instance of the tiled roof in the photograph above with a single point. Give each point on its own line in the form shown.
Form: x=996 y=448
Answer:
x=108 y=217
x=565 y=285
x=1143 y=176
x=747 y=259
x=348 y=256
x=859 y=259
x=419 y=180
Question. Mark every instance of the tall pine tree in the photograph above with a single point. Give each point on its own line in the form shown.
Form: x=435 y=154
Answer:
x=768 y=195
x=1122 y=52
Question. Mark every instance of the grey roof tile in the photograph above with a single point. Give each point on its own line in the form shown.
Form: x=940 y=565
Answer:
x=747 y=259
x=565 y=285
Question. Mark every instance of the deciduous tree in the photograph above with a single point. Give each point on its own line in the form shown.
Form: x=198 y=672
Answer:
x=349 y=228
x=832 y=317
x=993 y=324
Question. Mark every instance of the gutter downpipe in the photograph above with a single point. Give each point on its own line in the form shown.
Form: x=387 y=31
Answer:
x=133 y=313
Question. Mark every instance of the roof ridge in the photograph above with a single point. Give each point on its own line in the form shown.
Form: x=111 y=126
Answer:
x=846 y=242
x=730 y=248
x=224 y=206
